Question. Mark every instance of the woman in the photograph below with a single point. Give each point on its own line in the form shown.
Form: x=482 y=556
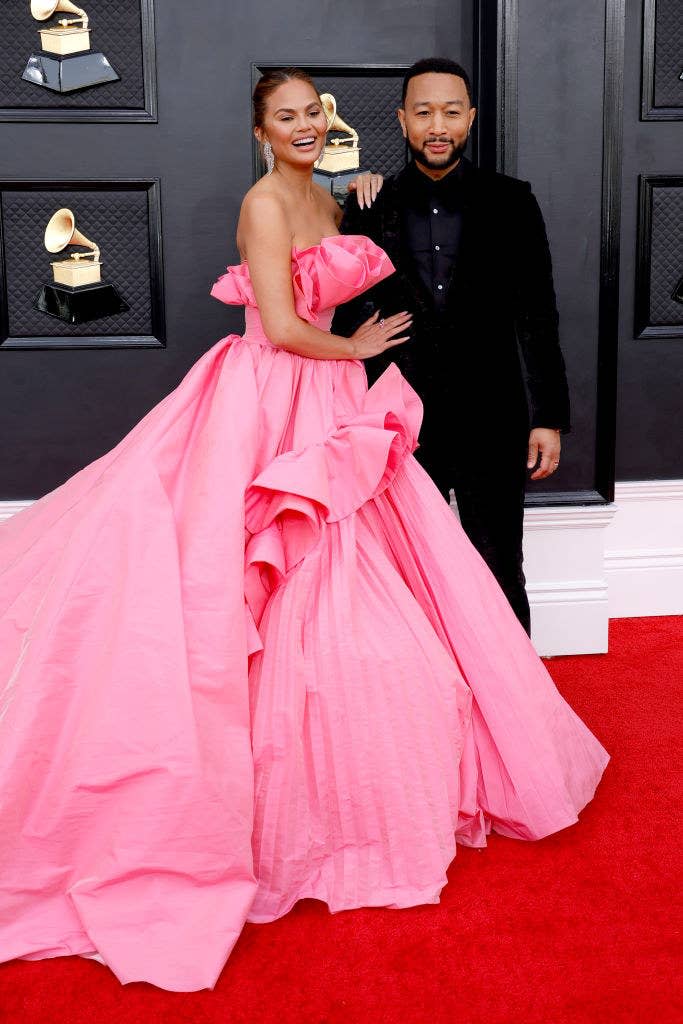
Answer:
x=249 y=656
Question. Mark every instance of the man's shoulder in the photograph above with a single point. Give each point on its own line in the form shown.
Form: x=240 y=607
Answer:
x=491 y=186
x=473 y=177
x=497 y=183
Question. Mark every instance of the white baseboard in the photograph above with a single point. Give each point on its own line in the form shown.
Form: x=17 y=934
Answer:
x=644 y=549
x=588 y=564
x=564 y=567
x=10 y=508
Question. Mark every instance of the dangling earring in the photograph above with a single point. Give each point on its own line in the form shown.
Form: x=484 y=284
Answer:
x=268 y=156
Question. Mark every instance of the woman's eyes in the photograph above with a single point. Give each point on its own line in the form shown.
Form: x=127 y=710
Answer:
x=311 y=113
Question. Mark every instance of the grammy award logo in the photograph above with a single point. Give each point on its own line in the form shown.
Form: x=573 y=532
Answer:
x=339 y=161
x=66 y=61
x=77 y=293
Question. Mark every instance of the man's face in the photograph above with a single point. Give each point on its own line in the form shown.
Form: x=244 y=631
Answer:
x=436 y=120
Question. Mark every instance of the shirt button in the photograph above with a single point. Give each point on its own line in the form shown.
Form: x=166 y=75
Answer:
x=440 y=287
x=438 y=248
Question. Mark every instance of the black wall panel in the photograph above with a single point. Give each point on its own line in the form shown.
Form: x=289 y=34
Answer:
x=366 y=100
x=123 y=219
x=61 y=409
x=649 y=439
x=659 y=271
x=122 y=31
x=558 y=121
x=662 y=60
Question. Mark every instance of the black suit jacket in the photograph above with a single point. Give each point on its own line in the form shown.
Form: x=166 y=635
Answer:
x=465 y=361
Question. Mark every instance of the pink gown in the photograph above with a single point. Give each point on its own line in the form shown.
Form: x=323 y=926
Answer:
x=249 y=657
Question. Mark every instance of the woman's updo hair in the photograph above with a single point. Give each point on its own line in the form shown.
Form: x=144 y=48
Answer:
x=269 y=82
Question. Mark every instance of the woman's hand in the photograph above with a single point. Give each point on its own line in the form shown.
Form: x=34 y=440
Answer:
x=367 y=187
x=377 y=334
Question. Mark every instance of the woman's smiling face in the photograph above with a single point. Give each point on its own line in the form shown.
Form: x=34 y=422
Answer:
x=294 y=124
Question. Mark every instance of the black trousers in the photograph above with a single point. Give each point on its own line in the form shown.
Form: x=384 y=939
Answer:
x=490 y=498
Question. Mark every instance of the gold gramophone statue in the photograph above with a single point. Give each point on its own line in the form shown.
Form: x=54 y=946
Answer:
x=77 y=293
x=66 y=62
x=339 y=162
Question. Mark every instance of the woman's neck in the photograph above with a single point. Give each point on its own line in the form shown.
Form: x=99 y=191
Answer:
x=296 y=179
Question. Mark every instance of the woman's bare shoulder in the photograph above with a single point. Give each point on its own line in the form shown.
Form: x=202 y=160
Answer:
x=263 y=198
x=261 y=207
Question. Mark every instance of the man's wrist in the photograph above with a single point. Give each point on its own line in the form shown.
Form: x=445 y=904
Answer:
x=564 y=428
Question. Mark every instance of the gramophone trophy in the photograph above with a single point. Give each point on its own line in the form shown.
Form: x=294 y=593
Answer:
x=339 y=162
x=66 y=63
x=77 y=293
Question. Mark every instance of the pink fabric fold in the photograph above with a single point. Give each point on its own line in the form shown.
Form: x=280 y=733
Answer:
x=289 y=500
x=323 y=275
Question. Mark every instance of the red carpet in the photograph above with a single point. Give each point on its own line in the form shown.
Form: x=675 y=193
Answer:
x=580 y=927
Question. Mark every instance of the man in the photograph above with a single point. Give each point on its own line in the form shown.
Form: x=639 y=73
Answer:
x=473 y=266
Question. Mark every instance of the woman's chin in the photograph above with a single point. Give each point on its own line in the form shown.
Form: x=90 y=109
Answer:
x=302 y=161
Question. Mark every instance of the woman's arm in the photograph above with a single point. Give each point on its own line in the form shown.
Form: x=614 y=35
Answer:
x=266 y=241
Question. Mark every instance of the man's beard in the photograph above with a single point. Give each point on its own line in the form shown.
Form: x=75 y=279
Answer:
x=440 y=163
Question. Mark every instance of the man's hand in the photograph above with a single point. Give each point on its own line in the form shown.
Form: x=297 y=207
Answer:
x=367 y=187
x=545 y=442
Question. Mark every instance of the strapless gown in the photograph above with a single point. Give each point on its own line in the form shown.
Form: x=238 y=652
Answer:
x=249 y=657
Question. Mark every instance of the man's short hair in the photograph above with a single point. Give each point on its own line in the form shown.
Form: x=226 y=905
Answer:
x=439 y=66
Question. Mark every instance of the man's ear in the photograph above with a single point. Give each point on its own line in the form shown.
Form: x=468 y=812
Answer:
x=401 y=114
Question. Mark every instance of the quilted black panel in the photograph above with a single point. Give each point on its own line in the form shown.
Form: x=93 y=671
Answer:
x=116 y=32
x=666 y=266
x=369 y=105
x=668 y=54
x=116 y=219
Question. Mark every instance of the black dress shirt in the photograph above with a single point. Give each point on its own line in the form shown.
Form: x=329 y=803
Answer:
x=432 y=223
